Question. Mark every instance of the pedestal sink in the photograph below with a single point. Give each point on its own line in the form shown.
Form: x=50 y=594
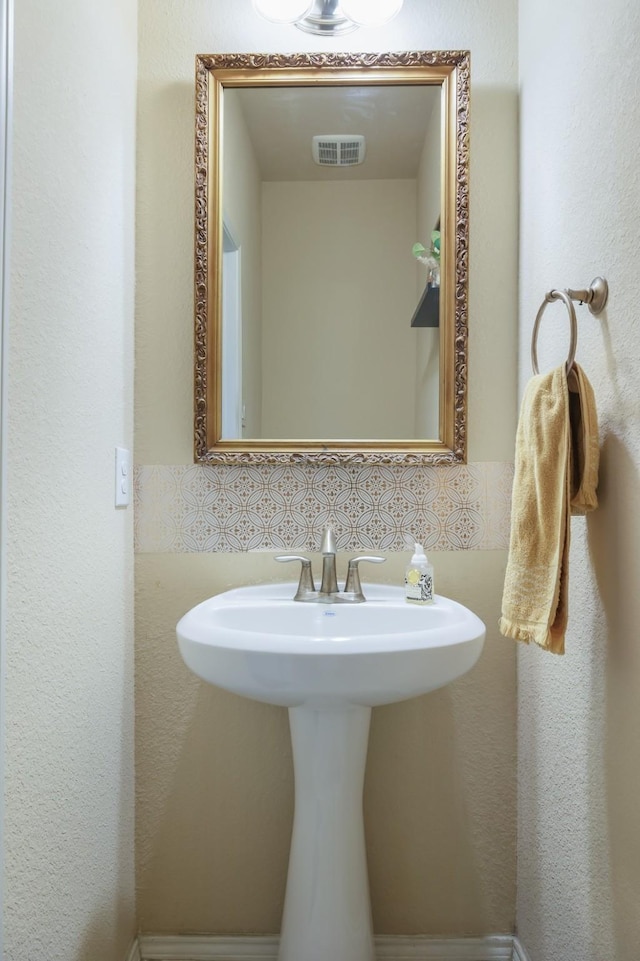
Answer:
x=329 y=665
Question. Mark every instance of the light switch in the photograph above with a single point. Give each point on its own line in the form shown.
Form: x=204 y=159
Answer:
x=123 y=477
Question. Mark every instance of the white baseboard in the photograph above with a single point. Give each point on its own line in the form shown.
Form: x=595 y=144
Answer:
x=134 y=951
x=399 y=948
x=519 y=953
x=388 y=948
x=197 y=948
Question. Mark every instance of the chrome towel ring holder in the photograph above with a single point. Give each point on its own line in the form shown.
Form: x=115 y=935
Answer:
x=595 y=297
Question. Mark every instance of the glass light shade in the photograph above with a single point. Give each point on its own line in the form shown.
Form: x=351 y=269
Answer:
x=370 y=13
x=283 y=11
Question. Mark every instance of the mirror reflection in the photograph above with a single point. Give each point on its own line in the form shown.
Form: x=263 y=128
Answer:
x=326 y=191
x=331 y=257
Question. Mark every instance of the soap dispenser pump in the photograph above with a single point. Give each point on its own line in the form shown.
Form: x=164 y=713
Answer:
x=418 y=578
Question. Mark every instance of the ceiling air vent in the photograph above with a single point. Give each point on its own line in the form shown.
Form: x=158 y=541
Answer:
x=340 y=150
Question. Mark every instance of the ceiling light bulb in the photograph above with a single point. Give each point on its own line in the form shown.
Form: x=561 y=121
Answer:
x=370 y=13
x=283 y=11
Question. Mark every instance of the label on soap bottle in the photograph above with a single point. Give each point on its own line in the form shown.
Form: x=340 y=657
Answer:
x=419 y=586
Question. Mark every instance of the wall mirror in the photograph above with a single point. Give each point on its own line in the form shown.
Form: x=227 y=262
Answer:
x=323 y=332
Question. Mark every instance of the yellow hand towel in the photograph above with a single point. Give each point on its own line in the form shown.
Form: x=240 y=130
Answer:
x=556 y=467
x=585 y=448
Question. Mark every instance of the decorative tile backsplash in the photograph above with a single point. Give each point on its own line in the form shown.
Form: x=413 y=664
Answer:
x=186 y=509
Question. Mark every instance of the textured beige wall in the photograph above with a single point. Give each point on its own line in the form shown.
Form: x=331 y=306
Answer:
x=579 y=764
x=171 y=36
x=69 y=881
x=214 y=783
x=337 y=301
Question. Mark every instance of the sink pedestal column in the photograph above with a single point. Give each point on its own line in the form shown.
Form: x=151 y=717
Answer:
x=327 y=914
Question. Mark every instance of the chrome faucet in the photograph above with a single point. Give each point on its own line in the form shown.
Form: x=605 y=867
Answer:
x=329 y=585
x=329 y=592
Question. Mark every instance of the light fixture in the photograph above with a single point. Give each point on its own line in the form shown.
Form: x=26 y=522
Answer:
x=329 y=18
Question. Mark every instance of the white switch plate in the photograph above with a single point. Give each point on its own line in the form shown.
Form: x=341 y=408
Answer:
x=123 y=477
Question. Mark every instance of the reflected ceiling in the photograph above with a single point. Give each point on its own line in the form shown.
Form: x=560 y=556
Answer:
x=394 y=121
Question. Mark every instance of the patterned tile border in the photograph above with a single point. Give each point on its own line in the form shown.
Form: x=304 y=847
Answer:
x=201 y=508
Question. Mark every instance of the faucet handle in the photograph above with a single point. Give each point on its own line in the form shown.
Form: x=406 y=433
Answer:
x=305 y=584
x=353 y=585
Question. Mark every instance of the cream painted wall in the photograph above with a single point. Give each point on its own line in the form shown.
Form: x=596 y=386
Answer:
x=172 y=35
x=337 y=300
x=214 y=781
x=243 y=214
x=579 y=716
x=69 y=883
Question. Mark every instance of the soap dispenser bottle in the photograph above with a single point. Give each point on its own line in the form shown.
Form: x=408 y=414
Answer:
x=418 y=578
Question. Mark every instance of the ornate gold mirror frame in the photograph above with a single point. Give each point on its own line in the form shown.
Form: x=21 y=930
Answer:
x=449 y=70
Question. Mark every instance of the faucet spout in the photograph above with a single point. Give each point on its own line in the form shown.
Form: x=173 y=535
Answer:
x=329 y=585
x=328 y=542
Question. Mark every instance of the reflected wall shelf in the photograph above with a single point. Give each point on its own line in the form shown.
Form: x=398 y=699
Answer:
x=427 y=313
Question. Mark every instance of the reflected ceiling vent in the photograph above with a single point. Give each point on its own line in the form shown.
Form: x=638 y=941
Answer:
x=338 y=150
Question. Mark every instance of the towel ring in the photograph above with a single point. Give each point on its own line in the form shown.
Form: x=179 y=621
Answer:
x=566 y=299
x=595 y=296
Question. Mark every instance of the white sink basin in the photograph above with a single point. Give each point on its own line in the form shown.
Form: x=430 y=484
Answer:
x=257 y=642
